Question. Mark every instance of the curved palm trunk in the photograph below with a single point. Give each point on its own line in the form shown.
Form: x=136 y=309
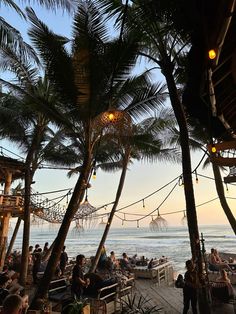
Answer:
x=112 y=213
x=76 y=198
x=221 y=194
x=167 y=69
x=13 y=238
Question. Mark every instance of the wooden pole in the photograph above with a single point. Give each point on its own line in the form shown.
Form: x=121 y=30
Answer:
x=13 y=238
x=4 y=223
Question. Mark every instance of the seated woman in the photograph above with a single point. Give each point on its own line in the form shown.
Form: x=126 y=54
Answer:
x=215 y=263
x=125 y=263
x=113 y=263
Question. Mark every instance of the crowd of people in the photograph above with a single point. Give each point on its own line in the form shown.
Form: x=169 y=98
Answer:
x=9 y=285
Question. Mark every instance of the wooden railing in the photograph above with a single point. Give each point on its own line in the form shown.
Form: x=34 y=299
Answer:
x=12 y=204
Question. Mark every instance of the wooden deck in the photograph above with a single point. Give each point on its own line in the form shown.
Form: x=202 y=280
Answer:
x=170 y=299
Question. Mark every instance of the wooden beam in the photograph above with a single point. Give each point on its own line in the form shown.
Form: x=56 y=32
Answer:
x=222 y=146
x=221 y=161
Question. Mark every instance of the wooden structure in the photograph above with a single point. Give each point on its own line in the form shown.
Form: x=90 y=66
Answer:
x=170 y=299
x=10 y=205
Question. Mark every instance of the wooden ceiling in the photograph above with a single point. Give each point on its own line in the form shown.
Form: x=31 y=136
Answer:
x=210 y=94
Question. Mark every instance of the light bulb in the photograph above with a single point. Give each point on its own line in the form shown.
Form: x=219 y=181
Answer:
x=212 y=54
x=111 y=116
x=213 y=149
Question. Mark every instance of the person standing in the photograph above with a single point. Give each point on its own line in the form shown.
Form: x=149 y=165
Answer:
x=190 y=288
x=78 y=280
x=63 y=260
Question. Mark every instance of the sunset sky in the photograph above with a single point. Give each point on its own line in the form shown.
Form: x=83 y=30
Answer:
x=142 y=178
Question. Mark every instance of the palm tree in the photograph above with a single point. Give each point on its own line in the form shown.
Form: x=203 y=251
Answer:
x=9 y=36
x=163 y=47
x=22 y=124
x=93 y=78
x=146 y=143
x=199 y=138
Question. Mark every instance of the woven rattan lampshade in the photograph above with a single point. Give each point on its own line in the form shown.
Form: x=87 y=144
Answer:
x=119 y=120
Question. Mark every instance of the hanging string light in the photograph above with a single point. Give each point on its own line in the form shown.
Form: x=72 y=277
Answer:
x=94 y=174
x=137 y=223
x=180 y=181
x=184 y=219
x=143 y=204
x=196 y=177
x=226 y=186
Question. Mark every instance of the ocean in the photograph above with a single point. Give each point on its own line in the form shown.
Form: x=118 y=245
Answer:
x=172 y=243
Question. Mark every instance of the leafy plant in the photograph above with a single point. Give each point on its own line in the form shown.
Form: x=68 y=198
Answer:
x=138 y=304
x=74 y=307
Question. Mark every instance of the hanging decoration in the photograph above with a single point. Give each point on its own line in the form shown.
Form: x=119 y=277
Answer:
x=196 y=176
x=152 y=225
x=86 y=212
x=159 y=223
x=102 y=223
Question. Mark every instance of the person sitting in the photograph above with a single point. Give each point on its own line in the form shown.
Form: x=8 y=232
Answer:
x=102 y=263
x=12 y=304
x=79 y=282
x=4 y=292
x=63 y=260
x=124 y=262
x=112 y=261
x=215 y=263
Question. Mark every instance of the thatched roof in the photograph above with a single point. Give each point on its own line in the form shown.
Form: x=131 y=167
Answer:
x=16 y=167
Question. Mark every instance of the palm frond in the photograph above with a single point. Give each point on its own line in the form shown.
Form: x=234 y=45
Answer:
x=54 y=55
x=11 y=37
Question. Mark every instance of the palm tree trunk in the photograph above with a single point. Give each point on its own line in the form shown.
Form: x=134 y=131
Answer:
x=167 y=69
x=221 y=194
x=112 y=213
x=76 y=198
x=13 y=238
x=26 y=229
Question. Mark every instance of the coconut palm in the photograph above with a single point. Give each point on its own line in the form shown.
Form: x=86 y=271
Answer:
x=147 y=143
x=91 y=79
x=10 y=36
x=23 y=124
x=163 y=46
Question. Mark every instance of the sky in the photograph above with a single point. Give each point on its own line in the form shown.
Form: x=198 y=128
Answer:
x=142 y=179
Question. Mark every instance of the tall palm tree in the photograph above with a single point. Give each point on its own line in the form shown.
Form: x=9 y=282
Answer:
x=147 y=143
x=163 y=47
x=93 y=78
x=30 y=129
